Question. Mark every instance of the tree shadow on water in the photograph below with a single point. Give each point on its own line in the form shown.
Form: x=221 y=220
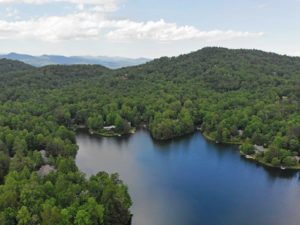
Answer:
x=178 y=143
x=273 y=173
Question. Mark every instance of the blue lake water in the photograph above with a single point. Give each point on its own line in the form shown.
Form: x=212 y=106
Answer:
x=191 y=181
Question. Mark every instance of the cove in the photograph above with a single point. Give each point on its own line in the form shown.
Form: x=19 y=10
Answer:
x=191 y=181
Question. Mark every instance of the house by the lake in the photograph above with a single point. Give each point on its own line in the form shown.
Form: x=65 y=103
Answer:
x=109 y=128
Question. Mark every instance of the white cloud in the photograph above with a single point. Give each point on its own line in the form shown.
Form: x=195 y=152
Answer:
x=163 y=31
x=54 y=28
x=93 y=25
x=90 y=23
x=99 y=5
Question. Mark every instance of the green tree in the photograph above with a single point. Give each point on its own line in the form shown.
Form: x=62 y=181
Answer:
x=83 y=218
x=4 y=165
x=23 y=216
x=95 y=122
x=50 y=215
x=289 y=161
x=247 y=148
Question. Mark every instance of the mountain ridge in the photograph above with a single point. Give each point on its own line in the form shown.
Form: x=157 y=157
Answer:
x=44 y=60
x=134 y=62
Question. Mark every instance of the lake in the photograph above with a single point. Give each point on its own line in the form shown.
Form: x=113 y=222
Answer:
x=191 y=181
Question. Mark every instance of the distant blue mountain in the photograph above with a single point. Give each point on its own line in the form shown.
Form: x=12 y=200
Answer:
x=44 y=60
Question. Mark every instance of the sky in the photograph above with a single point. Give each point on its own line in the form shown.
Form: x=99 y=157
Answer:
x=147 y=28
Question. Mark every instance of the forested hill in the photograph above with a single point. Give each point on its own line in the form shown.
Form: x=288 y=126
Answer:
x=7 y=65
x=225 y=70
x=244 y=97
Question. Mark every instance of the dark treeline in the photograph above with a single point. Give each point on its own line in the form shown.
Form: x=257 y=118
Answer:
x=234 y=96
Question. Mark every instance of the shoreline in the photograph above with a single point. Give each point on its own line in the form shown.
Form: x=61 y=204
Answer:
x=205 y=135
x=103 y=134
x=251 y=157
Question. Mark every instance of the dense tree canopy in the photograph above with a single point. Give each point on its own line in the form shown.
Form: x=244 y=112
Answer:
x=233 y=96
x=32 y=121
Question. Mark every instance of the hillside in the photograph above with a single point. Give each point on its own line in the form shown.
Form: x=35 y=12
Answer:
x=226 y=70
x=44 y=60
x=245 y=97
x=13 y=66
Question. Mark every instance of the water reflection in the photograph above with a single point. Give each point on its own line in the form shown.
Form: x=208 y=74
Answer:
x=190 y=181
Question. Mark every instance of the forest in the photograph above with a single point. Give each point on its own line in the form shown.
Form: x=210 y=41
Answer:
x=245 y=97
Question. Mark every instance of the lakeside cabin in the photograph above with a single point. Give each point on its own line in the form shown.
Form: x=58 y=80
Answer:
x=297 y=158
x=45 y=170
x=259 y=148
x=241 y=132
x=44 y=156
x=109 y=128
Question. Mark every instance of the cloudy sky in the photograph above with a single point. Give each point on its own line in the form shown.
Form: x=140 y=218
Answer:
x=147 y=28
